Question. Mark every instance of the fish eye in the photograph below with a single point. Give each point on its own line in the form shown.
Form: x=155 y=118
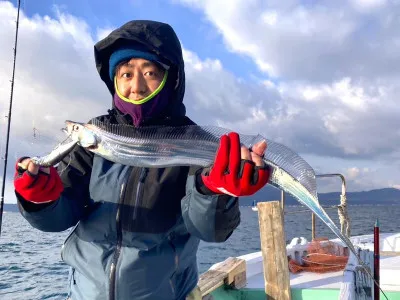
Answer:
x=75 y=128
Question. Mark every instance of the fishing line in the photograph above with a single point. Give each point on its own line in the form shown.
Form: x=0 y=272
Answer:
x=68 y=164
x=69 y=155
x=376 y=283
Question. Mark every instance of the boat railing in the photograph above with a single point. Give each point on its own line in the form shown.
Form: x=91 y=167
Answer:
x=341 y=207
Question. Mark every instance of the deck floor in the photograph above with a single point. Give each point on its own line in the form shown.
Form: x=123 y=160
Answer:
x=390 y=280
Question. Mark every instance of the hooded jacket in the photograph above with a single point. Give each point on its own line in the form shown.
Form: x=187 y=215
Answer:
x=135 y=231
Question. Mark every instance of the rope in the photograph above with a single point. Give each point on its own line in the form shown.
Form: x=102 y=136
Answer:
x=343 y=216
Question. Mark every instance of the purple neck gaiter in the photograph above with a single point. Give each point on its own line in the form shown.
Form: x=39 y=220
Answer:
x=141 y=112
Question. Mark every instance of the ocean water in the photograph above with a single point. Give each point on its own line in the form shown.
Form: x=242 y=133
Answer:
x=31 y=266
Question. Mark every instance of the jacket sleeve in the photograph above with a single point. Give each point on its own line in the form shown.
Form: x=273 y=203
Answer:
x=210 y=217
x=65 y=212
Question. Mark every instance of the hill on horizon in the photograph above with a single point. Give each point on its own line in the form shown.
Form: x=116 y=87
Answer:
x=376 y=196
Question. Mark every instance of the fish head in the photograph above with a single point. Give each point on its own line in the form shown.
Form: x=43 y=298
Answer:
x=81 y=133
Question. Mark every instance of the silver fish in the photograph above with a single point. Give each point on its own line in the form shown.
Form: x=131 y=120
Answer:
x=55 y=156
x=197 y=145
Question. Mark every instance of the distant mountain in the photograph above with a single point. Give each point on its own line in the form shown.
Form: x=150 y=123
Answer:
x=378 y=196
x=269 y=193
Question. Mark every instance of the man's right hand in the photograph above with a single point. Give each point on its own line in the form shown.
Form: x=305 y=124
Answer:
x=36 y=184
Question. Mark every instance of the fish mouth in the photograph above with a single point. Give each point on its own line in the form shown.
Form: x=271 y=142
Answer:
x=69 y=123
x=71 y=126
x=67 y=129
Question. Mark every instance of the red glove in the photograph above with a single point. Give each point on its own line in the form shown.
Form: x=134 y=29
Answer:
x=233 y=175
x=39 y=188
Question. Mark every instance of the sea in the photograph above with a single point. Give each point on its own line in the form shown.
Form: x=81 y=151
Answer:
x=31 y=266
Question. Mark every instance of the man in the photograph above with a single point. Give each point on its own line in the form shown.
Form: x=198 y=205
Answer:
x=136 y=230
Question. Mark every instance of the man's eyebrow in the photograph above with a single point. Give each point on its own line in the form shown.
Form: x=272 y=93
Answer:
x=127 y=64
x=144 y=64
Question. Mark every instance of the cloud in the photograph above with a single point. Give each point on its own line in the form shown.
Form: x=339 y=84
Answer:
x=367 y=6
x=341 y=119
x=337 y=70
x=367 y=178
x=320 y=42
x=361 y=178
x=331 y=69
x=55 y=78
x=215 y=95
x=103 y=32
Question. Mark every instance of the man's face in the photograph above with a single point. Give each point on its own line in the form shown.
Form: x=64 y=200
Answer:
x=138 y=78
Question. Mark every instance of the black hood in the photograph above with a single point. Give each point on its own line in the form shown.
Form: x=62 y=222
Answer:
x=157 y=37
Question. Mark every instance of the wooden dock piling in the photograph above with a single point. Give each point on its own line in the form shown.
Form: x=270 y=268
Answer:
x=273 y=247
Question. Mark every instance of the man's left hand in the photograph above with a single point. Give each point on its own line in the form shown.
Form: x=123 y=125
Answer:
x=237 y=171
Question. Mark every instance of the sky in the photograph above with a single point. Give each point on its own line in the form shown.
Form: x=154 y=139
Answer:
x=321 y=77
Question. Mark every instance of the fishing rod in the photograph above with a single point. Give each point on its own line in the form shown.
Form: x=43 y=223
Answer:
x=9 y=119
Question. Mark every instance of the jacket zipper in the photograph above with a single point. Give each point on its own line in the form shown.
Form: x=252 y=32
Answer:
x=142 y=177
x=119 y=242
x=139 y=190
x=176 y=262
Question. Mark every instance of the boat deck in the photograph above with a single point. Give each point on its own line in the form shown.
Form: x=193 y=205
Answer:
x=390 y=279
x=307 y=285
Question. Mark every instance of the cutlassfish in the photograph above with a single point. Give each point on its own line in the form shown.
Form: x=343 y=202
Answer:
x=196 y=145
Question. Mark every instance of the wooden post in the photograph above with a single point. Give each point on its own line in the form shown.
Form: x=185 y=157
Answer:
x=273 y=248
